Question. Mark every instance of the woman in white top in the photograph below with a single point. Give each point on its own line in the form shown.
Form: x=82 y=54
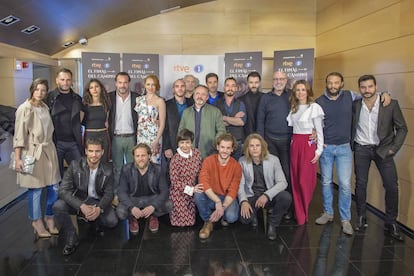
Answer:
x=305 y=116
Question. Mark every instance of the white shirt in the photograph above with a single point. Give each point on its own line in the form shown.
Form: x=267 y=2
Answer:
x=91 y=185
x=366 y=130
x=123 y=117
x=307 y=118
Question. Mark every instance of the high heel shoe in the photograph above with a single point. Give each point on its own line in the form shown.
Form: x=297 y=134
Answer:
x=39 y=232
x=50 y=226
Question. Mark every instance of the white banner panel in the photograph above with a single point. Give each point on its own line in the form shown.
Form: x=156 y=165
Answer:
x=174 y=67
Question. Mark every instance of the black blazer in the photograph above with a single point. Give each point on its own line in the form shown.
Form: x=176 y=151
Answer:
x=172 y=121
x=112 y=112
x=392 y=128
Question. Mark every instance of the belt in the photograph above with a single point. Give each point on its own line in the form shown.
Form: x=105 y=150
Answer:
x=124 y=135
x=366 y=146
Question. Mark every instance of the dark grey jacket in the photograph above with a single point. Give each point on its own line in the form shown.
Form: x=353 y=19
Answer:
x=74 y=186
x=157 y=183
x=392 y=128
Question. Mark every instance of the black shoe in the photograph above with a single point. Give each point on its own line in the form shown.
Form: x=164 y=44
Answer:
x=394 y=231
x=288 y=215
x=271 y=232
x=71 y=245
x=361 y=224
x=97 y=230
x=254 y=221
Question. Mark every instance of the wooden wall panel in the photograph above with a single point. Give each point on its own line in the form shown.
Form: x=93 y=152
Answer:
x=213 y=28
x=373 y=37
x=334 y=14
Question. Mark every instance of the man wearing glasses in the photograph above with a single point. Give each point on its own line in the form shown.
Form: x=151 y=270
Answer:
x=273 y=109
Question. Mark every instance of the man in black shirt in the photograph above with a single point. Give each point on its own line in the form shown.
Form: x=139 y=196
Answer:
x=143 y=190
x=66 y=110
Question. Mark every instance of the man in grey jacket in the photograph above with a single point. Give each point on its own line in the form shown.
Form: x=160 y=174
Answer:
x=262 y=185
x=86 y=190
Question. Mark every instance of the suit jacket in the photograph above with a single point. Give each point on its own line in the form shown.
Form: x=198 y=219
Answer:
x=172 y=121
x=112 y=112
x=392 y=128
x=273 y=175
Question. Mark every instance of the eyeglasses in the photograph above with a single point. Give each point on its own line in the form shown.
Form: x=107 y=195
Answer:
x=279 y=79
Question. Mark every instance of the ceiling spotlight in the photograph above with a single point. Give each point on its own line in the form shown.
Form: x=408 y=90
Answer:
x=83 y=41
x=30 y=29
x=68 y=44
x=8 y=20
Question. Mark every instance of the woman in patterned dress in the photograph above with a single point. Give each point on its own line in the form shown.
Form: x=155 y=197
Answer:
x=151 y=117
x=184 y=169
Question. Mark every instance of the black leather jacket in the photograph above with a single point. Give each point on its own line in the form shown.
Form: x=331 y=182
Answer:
x=74 y=186
x=56 y=107
x=157 y=183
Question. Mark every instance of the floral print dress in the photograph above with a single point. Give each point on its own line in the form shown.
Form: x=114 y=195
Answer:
x=148 y=126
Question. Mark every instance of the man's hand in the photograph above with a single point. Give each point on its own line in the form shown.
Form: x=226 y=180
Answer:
x=137 y=213
x=261 y=201
x=385 y=99
x=147 y=211
x=95 y=213
x=87 y=211
x=168 y=153
x=313 y=137
x=246 y=210
x=218 y=213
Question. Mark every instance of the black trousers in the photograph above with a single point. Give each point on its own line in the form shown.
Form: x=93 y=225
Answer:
x=278 y=206
x=63 y=211
x=363 y=155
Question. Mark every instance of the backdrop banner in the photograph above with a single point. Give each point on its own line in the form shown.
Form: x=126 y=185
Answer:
x=297 y=64
x=138 y=66
x=239 y=65
x=101 y=66
x=174 y=67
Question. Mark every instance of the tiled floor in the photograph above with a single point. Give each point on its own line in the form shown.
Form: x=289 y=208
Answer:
x=237 y=250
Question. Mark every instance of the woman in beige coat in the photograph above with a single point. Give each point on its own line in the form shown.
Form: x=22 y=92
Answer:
x=33 y=137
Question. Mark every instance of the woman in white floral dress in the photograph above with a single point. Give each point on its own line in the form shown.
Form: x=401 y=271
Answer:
x=151 y=117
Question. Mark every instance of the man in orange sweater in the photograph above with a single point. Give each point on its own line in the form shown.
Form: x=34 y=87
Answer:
x=220 y=175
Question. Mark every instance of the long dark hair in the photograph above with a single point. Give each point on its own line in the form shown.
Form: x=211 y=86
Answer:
x=103 y=98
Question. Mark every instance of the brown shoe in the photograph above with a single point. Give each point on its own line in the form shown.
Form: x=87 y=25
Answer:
x=206 y=230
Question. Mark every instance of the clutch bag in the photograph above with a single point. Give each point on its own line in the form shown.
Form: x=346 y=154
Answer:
x=28 y=163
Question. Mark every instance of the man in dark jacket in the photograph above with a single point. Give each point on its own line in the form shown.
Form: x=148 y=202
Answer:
x=378 y=132
x=66 y=109
x=143 y=190
x=86 y=190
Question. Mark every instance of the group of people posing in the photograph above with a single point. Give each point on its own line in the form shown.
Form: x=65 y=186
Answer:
x=141 y=157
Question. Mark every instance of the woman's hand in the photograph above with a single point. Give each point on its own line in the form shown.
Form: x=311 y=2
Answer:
x=19 y=165
x=315 y=158
x=155 y=146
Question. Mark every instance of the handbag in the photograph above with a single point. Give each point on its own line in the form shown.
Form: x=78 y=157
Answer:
x=28 y=163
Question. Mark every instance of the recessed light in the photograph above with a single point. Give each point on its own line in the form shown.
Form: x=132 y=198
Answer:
x=30 y=29
x=68 y=44
x=8 y=20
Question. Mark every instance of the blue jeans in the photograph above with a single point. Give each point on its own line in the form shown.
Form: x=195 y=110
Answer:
x=341 y=157
x=239 y=151
x=34 y=199
x=206 y=206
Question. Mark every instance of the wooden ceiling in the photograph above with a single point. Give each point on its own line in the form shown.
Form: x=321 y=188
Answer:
x=63 y=21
